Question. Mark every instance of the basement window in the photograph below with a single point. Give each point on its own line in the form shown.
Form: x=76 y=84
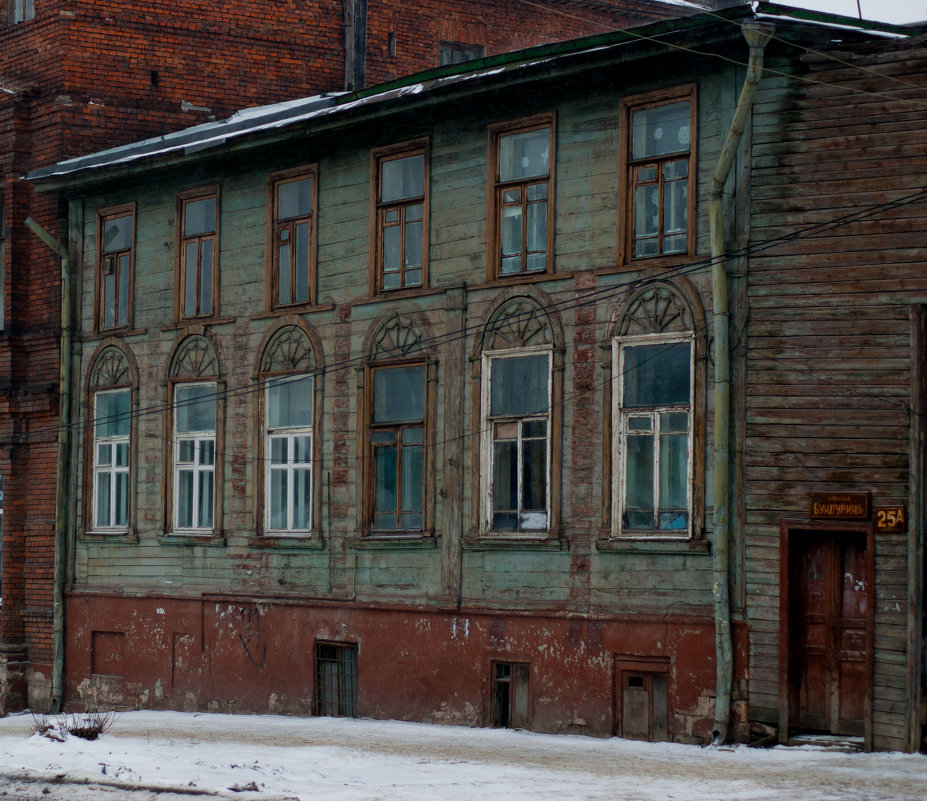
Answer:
x=510 y=695
x=336 y=679
x=642 y=698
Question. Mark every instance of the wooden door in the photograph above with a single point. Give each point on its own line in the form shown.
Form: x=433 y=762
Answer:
x=830 y=609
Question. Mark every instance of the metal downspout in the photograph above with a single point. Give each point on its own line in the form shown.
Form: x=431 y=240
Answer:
x=757 y=35
x=64 y=444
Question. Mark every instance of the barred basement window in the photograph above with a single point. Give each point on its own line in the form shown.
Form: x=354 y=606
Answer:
x=336 y=679
x=509 y=695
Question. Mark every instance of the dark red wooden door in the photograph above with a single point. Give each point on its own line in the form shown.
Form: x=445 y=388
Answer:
x=832 y=610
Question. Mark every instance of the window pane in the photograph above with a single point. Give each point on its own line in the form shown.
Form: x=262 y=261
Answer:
x=104 y=454
x=278 y=450
x=207 y=452
x=196 y=407
x=412 y=478
x=112 y=413
x=537 y=227
x=278 y=500
x=386 y=486
x=199 y=217
x=122 y=500
x=505 y=476
x=402 y=178
x=103 y=499
x=302 y=513
x=122 y=308
x=301 y=268
x=639 y=472
x=289 y=402
x=413 y=244
x=206 y=503
x=189 y=277
x=519 y=385
x=660 y=130
x=122 y=454
x=206 y=277
x=399 y=394
x=186 y=451
x=302 y=450
x=534 y=475
x=674 y=471
x=294 y=199
x=392 y=244
x=524 y=155
x=185 y=499
x=284 y=289
x=511 y=230
x=109 y=295
x=656 y=375
x=117 y=234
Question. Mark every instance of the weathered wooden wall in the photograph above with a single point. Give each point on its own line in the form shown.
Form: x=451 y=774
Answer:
x=830 y=341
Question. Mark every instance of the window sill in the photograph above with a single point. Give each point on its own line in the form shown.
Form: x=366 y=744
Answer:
x=385 y=542
x=192 y=538
x=126 y=535
x=671 y=545
x=309 y=542
x=521 y=278
x=398 y=294
x=298 y=308
x=123 y=332
x=654 y=263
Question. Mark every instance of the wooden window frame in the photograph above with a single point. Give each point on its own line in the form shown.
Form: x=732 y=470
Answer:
x=378 y=210
x=517 y=711
x=264 y=458
x=180 y=267
x=339 y=651
x=369 y=454
x=496 y=188
x=619 y=416
x=274 y=227
x=626 y=204
x=487 y=427
x=103 y=216
x=171 y=497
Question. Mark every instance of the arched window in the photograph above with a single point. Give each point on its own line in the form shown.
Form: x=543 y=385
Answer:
x=288 y=402
x=110 y=507
x=398 y=402
x=520 y=414
x=196 y=469
x=656 y=428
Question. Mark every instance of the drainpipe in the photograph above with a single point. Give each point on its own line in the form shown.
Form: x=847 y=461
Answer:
x=64 y=444
x=757 y=35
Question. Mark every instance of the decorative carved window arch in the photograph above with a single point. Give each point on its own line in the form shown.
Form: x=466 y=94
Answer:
x=518 y=368
x=397 y=390
x=657 y=335
x=111 y=442
x=194 y=444
x=289 y=414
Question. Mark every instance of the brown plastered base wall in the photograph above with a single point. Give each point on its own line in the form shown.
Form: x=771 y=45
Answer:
x=231 y=655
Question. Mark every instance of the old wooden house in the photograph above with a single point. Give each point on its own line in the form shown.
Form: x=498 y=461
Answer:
x=443 y=401
x=76 y=77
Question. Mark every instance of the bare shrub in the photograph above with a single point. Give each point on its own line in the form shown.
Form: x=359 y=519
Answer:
x=86 y=725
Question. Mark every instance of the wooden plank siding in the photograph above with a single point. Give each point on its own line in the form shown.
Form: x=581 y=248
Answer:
x=828 y=347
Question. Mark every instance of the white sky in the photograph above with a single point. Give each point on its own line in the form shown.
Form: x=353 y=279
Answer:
x=897 y=11
x=329 y=759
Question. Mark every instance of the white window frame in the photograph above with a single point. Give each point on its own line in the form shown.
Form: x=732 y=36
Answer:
x=620 y=417
x=290 y=468
x=487 y=450
x=112 y=470
x=199 y=440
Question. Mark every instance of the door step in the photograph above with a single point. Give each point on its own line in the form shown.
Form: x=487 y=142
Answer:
x=832 y=742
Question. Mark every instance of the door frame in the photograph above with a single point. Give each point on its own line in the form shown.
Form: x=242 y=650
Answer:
x=788 y=529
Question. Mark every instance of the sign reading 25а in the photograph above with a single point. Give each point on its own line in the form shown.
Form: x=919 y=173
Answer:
x=889 y=518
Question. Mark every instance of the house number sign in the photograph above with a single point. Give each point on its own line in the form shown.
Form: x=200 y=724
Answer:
x=889 y=518
x=839 y=505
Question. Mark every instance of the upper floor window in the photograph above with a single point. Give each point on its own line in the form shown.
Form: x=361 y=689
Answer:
x=288 y=449
x=293 y=198
x=458 y=52
x=21 y=10
x=517 y=426
x=660 y=173
x=653 y=434
x=116 y=235
x=401 y=186
x=198 y=212
x=111 y=437
x=522 y=191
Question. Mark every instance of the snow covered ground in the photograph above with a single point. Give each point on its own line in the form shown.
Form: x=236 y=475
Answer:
x=322 y=759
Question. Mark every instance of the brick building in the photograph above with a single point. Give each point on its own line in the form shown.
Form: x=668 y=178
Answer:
x=77 y=76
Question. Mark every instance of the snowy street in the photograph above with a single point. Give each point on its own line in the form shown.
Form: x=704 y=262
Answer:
x=274 y=758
